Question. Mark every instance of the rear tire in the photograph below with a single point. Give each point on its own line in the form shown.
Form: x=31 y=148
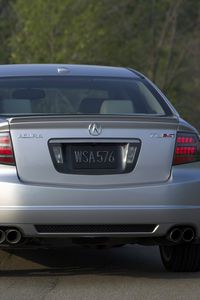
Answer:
x=181 y=258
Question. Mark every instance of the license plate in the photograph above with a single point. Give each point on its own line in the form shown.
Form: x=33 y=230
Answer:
x=95 y=157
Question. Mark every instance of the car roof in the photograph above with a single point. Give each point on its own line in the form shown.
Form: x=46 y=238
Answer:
x=65 y=69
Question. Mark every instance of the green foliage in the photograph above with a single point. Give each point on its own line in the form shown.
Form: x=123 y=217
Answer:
x=158 y=37
x=7 y=21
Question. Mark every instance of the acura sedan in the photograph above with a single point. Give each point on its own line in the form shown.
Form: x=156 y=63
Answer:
x=96 y=156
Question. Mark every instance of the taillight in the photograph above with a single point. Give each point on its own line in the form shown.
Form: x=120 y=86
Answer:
x=187 y=148
x=6 y=150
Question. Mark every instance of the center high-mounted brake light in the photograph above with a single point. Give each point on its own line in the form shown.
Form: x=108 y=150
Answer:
x=6 y=150
x=187 y=148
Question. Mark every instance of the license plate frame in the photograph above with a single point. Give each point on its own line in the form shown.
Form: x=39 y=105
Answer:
x=127 y=156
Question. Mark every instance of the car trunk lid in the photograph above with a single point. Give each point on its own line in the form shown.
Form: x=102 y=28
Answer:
x=152 y=140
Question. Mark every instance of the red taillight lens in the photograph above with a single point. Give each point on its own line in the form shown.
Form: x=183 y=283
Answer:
x=187 y=148
x=6 y=150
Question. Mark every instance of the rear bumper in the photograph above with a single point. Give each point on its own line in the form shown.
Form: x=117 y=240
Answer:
x=175 y=202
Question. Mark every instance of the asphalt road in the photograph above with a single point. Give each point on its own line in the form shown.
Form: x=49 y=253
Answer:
x=131 y=272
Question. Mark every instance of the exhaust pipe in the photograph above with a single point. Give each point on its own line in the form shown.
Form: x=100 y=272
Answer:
x=13 y=236
x=2 y=236
x=188 y=235
x=175 y=235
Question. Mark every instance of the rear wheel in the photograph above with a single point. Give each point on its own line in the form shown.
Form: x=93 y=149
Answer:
x=181 y=258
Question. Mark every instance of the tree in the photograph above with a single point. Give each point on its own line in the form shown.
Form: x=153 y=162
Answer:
x=7 y=21
x=158 y=37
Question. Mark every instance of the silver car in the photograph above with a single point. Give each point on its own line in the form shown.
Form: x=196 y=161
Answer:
x=96 y=156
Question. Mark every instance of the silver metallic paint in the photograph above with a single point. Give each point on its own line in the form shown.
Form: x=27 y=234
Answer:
x=166 y=204
x=154 y=193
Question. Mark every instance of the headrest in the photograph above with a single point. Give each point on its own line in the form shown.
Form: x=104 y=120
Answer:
x=13 y=106
x=90 y=105
x=117 y=107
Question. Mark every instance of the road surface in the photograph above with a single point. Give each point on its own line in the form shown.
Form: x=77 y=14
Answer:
x=131 y=272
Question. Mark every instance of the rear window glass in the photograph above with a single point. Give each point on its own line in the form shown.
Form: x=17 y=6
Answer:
x=79 y=95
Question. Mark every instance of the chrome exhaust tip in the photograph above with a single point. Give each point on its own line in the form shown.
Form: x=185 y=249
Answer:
x=175 y=235
x=188 y=235
x=2 y=236
x=13 y=236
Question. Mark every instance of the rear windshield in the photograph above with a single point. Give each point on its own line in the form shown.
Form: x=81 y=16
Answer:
x=79 y=95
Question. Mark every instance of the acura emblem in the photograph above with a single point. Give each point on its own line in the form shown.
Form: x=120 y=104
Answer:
x=95 y=129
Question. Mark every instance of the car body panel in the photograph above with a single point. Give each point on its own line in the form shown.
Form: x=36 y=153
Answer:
x=72 y=70
x=153 y=164
x=175 y=202
x=154 y=192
